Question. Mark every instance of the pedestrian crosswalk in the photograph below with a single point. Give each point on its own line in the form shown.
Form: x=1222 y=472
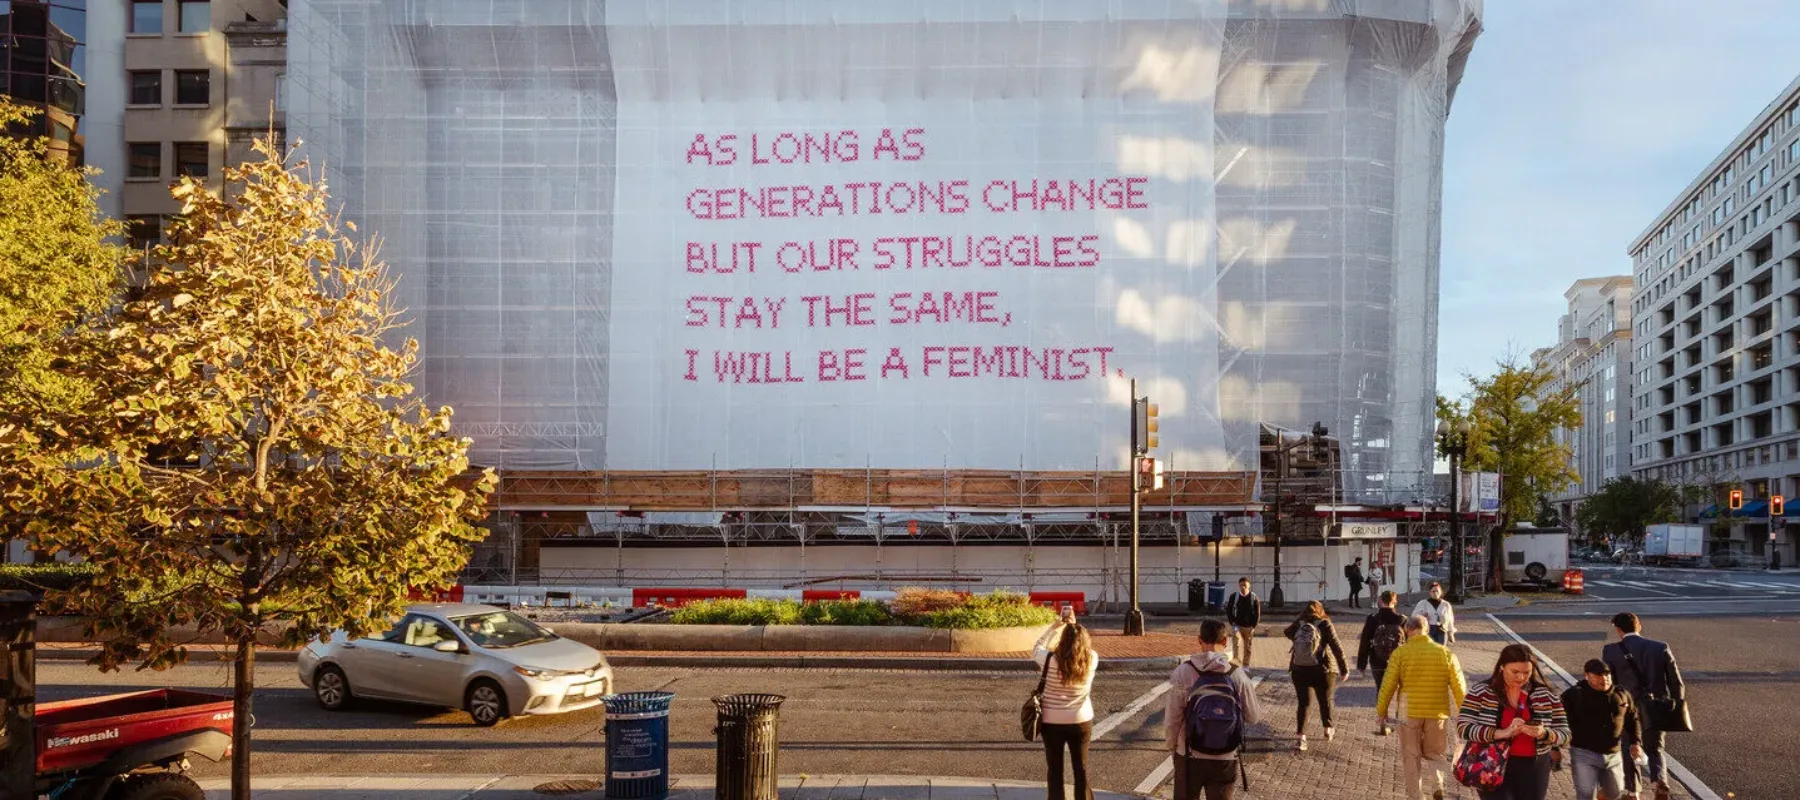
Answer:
x=1777 y=587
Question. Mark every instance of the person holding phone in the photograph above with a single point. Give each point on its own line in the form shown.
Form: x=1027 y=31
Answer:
x=1065 y=654
x=1517 y=707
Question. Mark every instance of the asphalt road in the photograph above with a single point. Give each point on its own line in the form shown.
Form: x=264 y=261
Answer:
x=1739 y=652
x=880 y=722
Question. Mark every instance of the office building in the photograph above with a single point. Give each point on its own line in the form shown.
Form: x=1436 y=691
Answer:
x=1592 y=356
x=200 y=77
x=1716 y=317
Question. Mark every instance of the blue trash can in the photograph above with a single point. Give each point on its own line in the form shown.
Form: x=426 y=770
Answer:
x=637 y=745
x=1215 y=594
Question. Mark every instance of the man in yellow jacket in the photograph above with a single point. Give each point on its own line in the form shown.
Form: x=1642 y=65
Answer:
x=1431 y=679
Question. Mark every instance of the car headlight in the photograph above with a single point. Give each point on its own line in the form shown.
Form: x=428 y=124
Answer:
x=539 y=674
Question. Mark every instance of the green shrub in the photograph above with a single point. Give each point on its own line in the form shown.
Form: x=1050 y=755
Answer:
x=42 y=577
x=997 y=610
x=846 y=612
x=748 y=611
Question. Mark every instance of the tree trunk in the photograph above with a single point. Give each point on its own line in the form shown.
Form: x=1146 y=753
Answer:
x=243 y=686
x=1497 y=555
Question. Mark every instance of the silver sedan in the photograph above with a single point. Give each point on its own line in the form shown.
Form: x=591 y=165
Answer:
x=486 y=660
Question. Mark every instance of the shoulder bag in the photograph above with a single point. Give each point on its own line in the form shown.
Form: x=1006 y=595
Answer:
x=1032 y=714
x=1482 y=765
x=1665 y=713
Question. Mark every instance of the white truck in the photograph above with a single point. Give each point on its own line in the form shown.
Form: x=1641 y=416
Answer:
x=1674 y=542
x=1536 y=555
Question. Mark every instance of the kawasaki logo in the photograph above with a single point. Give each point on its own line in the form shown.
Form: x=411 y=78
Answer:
x=69 y=741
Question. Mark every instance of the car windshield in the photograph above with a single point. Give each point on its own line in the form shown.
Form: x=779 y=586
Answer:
x=501 y=629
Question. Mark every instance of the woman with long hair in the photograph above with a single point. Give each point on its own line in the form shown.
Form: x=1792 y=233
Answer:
x=1313 y=634
x=1516 y=706
x=1065 y=655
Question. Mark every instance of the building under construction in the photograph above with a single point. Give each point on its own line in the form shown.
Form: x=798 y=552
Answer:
x=1235 y=202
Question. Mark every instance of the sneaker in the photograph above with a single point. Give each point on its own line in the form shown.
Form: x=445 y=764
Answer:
x=1329 y=733
x=1302 y=746
x=1437 y=795
x=1662 y=791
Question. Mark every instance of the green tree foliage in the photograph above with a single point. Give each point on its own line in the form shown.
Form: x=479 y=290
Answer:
x=55 y=266
x=250 y=451
x=1513 y=419
x=1625 y=506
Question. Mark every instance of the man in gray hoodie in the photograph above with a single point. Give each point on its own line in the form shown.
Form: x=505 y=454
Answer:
x=1196 y=772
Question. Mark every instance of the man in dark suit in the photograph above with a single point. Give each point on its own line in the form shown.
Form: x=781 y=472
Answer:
x=1646 y=668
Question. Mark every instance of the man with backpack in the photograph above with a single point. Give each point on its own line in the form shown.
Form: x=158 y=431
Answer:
x=1383 y=633
x=1205 y=719
x=1244 y=612
x=1431 y=679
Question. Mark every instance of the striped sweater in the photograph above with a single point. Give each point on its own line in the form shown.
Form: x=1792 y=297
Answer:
x=1064 y=703
x=1480 y=717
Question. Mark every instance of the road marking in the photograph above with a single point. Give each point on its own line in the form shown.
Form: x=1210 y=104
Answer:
x=1671 y=584
x=477 y=790
x=1157 y=777
x=1107 y=725
x=1163 y=771
x=1637 y=588
x=1695 y=786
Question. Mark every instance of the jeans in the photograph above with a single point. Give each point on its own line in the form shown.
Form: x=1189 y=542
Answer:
x=1591 y=771
x=1437 y=633
x=1241 y=639
x=1527 y=778
x=1321 y=681
x=1076 y=738
x=1427 y=742
x=1356 y=588
x=1216 y=778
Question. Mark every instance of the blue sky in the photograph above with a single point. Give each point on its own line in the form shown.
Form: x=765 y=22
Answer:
x=1576 y=123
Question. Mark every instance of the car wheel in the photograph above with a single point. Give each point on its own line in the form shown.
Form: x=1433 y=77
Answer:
x=157 y=786
x=331 y=688
x=1536 y=571
x=485 y=702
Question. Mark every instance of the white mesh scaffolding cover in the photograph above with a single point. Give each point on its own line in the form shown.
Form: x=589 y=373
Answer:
x=787 y=233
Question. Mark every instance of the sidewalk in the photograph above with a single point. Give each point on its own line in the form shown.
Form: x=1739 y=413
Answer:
x=1357 y=761
x=682 y=787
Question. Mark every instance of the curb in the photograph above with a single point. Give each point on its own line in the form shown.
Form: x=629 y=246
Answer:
x=627 y=659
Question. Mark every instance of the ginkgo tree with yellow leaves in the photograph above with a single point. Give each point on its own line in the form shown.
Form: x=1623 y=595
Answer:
x=252 y=459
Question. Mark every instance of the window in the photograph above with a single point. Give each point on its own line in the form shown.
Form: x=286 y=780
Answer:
x=147 y=17
x=142 y=231
x=281 y=92
x=146 y=160
x=190 y=159
x=193 y=87
x=146 y=88
x=196 y=16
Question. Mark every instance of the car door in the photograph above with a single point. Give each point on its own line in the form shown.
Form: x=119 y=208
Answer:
x=431 y=675
x=381 y=666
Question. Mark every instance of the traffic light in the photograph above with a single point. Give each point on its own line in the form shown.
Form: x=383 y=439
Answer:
x=1150 y=474
x=1737 y=499
x=1775 y=505
x=1144 y=423
x=1218 y=525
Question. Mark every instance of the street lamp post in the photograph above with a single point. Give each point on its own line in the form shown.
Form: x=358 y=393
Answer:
x=1453 y=439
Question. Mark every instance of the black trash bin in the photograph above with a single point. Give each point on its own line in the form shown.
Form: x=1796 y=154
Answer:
x=1196 y=594
x=748 y=746
x=637 y=745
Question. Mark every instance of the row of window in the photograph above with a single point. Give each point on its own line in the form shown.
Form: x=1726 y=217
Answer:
x=1724 y=182
x=193 y=87
x=145 y=159
x=192 y=16
x=1720 y=244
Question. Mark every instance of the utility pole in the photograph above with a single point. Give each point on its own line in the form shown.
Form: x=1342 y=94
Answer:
x=1453 y=439
x=1143 y=437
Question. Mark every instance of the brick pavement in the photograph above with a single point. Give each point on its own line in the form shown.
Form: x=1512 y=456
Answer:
x=1356 y=762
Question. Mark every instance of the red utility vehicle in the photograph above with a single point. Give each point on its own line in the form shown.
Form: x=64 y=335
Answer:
x=132 y=746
